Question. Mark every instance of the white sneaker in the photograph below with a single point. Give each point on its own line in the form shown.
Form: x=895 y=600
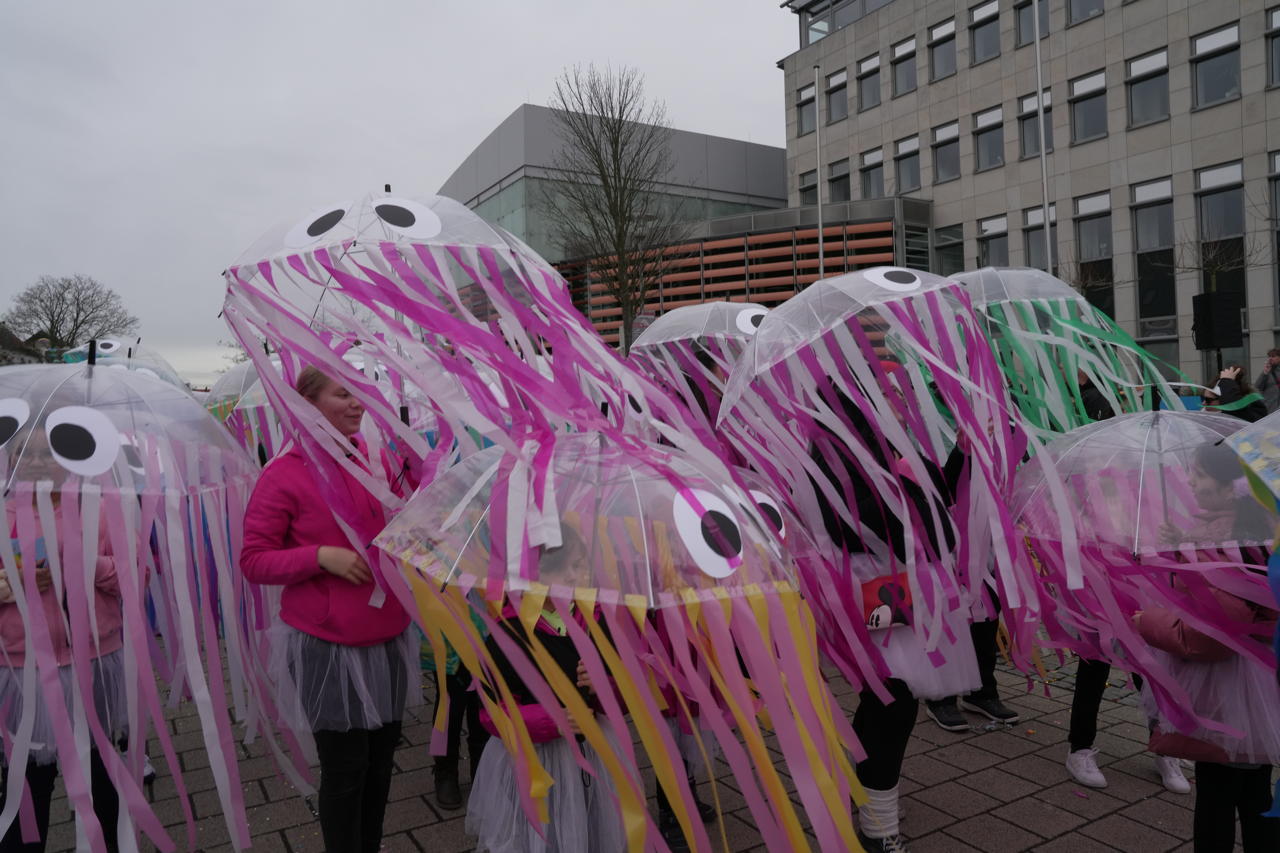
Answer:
x=1083 y=767
x=1170 y=772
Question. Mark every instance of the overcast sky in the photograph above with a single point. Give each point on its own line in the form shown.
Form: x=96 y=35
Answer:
x=147 y=144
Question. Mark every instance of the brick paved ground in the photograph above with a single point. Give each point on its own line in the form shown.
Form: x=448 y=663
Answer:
x=1004 y=790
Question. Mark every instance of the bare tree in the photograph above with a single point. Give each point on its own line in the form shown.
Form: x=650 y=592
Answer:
x=610 y=208
x=69 y=311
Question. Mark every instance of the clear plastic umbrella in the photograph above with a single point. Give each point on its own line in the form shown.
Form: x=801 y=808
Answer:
x=91 y=455
x=127 y=354
x=724 y=320
x=231 y=386
x=1048 y=338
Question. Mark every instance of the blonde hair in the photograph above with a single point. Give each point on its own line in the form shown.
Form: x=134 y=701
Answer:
x=311 y=381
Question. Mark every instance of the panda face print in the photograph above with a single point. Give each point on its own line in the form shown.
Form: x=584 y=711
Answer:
x=709 y=531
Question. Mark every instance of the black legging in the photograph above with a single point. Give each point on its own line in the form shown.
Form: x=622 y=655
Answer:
x=1223 y=791
x=464 y=705
x=355 y=780
x=1091 y=681
x=884 y=731
x=40 y=782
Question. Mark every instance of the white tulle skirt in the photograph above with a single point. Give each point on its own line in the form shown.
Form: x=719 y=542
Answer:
x=955 y=670
x=109 y=703
x=324 y=686
x=1238 y=693
x=584 y=812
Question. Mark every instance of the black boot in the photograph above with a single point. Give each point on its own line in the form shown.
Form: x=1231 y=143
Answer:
x=448 y=791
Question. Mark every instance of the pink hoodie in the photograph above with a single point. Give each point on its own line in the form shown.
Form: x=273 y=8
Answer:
x=284 y=526
x=106 y=604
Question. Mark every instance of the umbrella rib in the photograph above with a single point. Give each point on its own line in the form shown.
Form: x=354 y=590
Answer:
x=635 y=487
x=1142 y=476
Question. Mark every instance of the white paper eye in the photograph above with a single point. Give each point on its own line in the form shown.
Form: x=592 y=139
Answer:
x=769 y=509
x=83 y=440
x=749 y=319
x=320 y=222
x=13 y=414
x=896 y=279
x=106 y=346
x=709 y=532
x=408 y=217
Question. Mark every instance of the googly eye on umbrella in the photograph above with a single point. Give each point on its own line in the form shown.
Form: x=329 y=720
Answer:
x=143 y=477
x=656 y=545
x=1065 y=361
x=1151 y=511
x=852 y=389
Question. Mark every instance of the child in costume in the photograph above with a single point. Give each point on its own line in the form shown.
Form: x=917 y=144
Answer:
x=582 y=807
x=345 y=665
x=464 y=706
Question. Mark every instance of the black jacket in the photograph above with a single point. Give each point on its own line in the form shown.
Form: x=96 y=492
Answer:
x=1255 y=411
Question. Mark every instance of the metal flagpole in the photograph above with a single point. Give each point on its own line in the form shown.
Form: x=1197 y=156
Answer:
x=817 y=133
x=1044 y=162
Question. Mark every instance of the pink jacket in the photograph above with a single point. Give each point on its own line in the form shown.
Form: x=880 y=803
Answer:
x=106 y=604
x=1166 y=631
x=285 y=524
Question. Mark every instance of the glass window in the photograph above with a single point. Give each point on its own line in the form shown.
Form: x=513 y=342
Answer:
x=869 y=83
x=948 y=249
x=1154 y=255
x=1273 y=47
x=1148 y=85
x=1157 y=296
x=946 y=153
x=809 y=187
x=1153 y=226
x=1080 y=10
x=1029 y=125
x=942 y=50
x=1089 y=107
x=904 y=67
x=815 y=23
x=1024 y=18
x=837 y=96
x=873 y=174
x=988 y=139
x=1215 y=66
x=806 y=111
x=838 y=181
x=993 y=242
x=1093 y=237
x=984 y=32
x=1221 y=214
x=1033 y=237
x=907 y=164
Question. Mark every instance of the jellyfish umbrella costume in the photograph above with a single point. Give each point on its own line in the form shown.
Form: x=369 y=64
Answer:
x=1046 y=335
x=125 y=354
x=1150 y=511
x=230 y=387
x=101 y=462
x=483 y=329
x=854 y=394
x=692 y=350
x=676 y=575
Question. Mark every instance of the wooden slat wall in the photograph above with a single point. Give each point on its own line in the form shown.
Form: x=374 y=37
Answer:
x=765 y=268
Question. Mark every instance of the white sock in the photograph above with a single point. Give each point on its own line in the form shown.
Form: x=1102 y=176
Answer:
x=878 y=816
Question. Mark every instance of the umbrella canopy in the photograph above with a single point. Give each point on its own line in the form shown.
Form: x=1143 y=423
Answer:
x=724 y=320
x=1066 y=362
x=657 y=530
x=128 y=354
x=103 y=464
x=231 y=386
x=1258 y=445
x=1146 y=482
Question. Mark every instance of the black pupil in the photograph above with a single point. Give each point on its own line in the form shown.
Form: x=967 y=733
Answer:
x=8 y=428
x=324 y=223
x=756 y=320
x=72 y=441
x=635 y=404
x=394 y=214
x=721 y=534
x=771 y=513
x=900 y=277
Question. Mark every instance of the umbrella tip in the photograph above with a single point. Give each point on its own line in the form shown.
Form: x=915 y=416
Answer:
x=386 y=188
x=93 y=350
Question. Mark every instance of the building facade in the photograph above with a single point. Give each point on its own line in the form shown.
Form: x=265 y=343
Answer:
x=1162 y=144
x=506 y=178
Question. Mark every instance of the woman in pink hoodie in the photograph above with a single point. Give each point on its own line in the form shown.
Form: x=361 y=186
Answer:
x=342 y=654
x=107 y=669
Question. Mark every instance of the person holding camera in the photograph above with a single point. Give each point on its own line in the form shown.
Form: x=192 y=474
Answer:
x=1229 y=395
x=1268 y=381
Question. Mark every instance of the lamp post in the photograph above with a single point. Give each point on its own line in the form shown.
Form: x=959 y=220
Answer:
x=1044 y=162
x=817 y=135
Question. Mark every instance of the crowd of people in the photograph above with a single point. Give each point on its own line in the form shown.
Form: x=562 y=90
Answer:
x=348 y=663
